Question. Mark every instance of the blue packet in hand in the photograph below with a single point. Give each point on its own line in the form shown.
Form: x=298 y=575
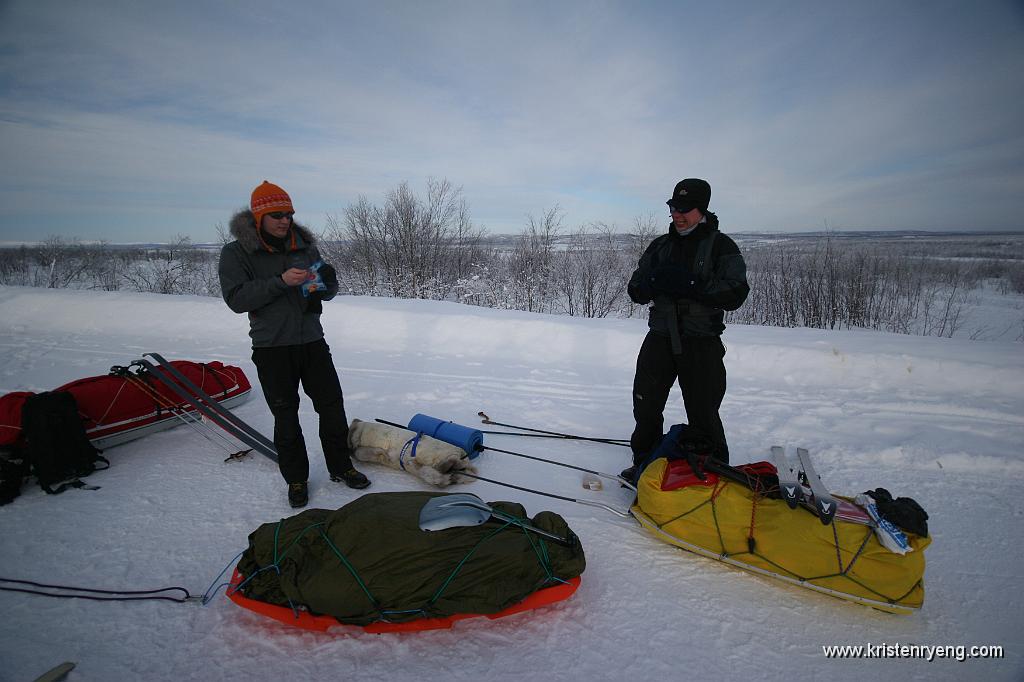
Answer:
x=314 y=282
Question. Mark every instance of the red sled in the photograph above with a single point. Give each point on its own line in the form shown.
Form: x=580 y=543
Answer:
x=321 y=623
x=117 y=408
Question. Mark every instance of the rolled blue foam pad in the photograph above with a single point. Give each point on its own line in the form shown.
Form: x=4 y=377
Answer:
x=470 y=440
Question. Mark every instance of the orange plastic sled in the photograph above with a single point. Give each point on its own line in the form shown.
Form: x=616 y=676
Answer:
x=307 y=621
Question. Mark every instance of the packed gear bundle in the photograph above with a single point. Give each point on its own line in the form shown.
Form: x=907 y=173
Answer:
x=749 y=525
x=57 y=435
x=435 y=461
x=394 y=561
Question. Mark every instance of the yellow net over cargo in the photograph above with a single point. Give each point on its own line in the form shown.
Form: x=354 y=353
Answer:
x=727 y=521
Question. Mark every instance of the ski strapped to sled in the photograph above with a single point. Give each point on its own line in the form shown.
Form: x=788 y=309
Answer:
x=796 y=495
x=180 y=411
x=824 y=503
x=789 y=485
x=201 y=394
x=215 y=412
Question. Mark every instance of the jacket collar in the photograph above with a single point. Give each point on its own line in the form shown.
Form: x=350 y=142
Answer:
x=703 y=229
x=243 y=228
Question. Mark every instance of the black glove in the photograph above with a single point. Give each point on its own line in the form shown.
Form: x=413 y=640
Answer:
x=640 y=289
x=905 y=512
x=696 y=463
x=674 y=280
x=328 y=275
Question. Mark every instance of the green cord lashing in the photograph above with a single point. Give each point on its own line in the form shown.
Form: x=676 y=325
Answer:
x=458 y=567
x=537 y=544
x=351 y=570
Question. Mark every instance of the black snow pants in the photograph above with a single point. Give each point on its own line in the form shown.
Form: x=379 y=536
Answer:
x=700 y=371
x=281 y=369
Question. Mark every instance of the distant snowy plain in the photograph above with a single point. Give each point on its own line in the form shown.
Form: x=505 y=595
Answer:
x=940 y=420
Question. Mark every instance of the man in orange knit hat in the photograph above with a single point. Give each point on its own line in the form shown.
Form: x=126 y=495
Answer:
x=262 y=273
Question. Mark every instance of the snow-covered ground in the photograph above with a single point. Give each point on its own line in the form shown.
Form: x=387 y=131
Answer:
x=940 y=420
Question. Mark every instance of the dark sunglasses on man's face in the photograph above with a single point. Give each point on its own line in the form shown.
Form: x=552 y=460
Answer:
x=277 y=215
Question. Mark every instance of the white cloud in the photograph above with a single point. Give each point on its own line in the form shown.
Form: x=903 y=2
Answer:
x=113 y=114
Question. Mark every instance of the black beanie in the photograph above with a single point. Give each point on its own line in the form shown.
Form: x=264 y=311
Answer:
x=689 y=194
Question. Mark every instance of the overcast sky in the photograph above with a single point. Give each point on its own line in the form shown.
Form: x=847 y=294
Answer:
x=136 y=121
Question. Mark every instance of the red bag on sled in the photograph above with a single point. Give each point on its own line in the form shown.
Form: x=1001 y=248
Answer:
x=116 y=409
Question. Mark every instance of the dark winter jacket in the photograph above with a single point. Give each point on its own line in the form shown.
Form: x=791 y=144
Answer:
x=250 y=281
x=721 y=281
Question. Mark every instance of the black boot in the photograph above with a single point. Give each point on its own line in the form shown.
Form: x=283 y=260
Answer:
x=353 y=479
x=298 y=495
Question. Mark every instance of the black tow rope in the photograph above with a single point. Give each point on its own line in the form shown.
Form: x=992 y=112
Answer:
x=68 y=592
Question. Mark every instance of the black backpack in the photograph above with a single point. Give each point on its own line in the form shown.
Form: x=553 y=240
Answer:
x=56 y=446
x=13 y=470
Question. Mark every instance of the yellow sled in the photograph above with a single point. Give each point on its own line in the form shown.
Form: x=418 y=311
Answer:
x=725 y=520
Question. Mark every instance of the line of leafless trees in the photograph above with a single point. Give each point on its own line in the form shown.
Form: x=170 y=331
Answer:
x=427 y=247
x=177 y=267
x=828 y=287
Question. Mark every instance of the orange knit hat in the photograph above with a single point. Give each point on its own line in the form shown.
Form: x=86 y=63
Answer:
x=268 y=198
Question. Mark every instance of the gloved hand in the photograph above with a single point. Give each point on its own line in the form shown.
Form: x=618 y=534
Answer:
x=328 y=275
x=696 y=454
x=639 y=288
x=674 y=280
x=696 y=463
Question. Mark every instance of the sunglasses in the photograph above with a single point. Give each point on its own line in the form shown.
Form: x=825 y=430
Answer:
x=278 y=215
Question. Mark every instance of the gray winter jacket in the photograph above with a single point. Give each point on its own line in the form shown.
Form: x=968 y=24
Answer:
x=250 y=282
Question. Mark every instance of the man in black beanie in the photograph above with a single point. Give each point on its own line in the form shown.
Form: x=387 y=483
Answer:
x=692 y=275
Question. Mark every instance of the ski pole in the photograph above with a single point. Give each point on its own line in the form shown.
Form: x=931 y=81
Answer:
x=530 y=435
x=611 y=477
x=589 y=503
x=537 y=459
x=753 y=482
x=554 y=434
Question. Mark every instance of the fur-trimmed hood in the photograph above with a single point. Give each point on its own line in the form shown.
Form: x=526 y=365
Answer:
x=243 y=228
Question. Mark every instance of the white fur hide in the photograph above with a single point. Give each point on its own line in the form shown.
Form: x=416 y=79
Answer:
x=436 y=462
